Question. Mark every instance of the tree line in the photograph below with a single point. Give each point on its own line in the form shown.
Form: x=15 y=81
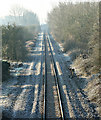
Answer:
x=21 y=16
x=76 y=26
x=17 y=32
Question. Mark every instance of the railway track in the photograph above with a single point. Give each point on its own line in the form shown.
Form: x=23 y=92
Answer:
x=81 y=106
x=42 y=92
x=48 y=83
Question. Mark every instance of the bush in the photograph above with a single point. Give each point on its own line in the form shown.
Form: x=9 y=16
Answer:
x=69 y=45
x=13 y=41
x=5 y=70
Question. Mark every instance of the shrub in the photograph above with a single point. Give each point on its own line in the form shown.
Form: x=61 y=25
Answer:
x=13 y=41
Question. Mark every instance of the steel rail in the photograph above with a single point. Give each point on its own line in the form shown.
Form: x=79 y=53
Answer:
x=57 y=82
x=45 y=79
x=56 y=77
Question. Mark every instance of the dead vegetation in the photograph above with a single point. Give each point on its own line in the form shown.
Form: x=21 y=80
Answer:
x=85 y=69
x=94 y=92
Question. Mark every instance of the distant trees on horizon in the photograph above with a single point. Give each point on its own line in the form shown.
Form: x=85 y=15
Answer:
x=20 y=16
x=22 y=25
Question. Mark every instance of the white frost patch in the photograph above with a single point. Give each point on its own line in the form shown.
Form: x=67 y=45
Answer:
x=35 y=100
x=30 y=68
x=70 y=109
x=67 y=57
x=5 y=101
x=56 y=102
x=60 y=45
x=51 y=45
x=38 y=54
x=21 y=86
x=21 y=101
x=38 y=67
x=51 y=66
x=25 y=86
x=59 y=69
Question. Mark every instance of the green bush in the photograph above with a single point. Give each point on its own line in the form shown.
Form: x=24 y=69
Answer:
x=5 y=70
x=13 y=41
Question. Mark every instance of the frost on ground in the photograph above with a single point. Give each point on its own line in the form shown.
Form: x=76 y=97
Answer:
x=20 y=93
x=92 y=82
x=89 y=83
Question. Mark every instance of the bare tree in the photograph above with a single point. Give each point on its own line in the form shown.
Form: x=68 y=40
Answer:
x=22 y=16
x=16 y=13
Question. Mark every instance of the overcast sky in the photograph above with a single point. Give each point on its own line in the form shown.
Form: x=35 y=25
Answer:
x=40 y=7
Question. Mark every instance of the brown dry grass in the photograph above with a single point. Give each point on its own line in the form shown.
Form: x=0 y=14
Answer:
x=93 y=88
